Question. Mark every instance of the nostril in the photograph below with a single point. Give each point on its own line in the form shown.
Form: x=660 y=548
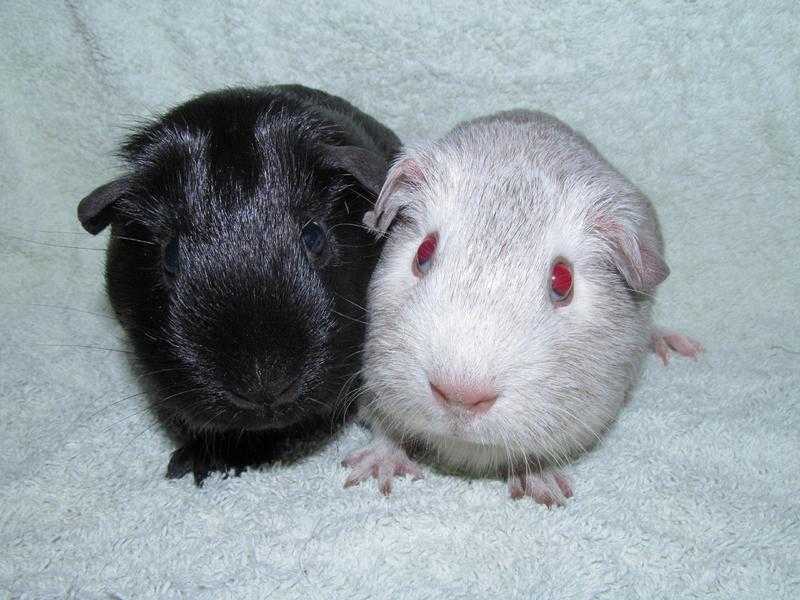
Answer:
x=438 y=393
x=475 y=399
x=283 y=390
x=481 y=403
x=273 y=393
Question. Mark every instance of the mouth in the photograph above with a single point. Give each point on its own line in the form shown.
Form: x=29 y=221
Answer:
x=240 y=401
x=272 y=413
x=261 y=418
x=461 y=427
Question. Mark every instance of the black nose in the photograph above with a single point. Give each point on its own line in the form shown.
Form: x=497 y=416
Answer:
x=276 y=392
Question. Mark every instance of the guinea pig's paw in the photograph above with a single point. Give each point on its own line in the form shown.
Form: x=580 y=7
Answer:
x=194 y=458
x=181 y=462
x=548 y=487
x=383 y=461
x=663 y=340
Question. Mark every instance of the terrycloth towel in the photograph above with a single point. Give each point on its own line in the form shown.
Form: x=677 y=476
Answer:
x=693 y=494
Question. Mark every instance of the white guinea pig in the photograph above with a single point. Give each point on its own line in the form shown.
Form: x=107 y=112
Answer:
x=511 y=308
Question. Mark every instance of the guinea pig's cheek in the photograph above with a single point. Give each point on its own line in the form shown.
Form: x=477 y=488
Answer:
x=585 y=305
x=396 y=271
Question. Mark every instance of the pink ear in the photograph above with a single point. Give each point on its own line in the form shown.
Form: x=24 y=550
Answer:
x=636 y=252
x=405 y=172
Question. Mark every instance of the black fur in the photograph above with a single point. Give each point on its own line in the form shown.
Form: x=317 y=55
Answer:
x=246 y=336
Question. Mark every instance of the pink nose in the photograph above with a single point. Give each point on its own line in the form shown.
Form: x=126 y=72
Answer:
x=477 y=400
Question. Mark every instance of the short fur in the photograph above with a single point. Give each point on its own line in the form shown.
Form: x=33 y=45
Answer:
x=253 y=337
x=508 y=194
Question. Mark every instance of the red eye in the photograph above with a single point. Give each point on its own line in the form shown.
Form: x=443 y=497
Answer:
x=560 y=282
x=422 y=261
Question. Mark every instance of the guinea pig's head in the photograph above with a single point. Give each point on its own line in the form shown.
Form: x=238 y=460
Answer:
x=510 y=307
x=236 y=252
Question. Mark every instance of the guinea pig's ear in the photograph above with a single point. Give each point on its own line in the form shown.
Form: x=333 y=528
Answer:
x=94 y=211
x=369 y=168
x=405 y=172
x=634 y=242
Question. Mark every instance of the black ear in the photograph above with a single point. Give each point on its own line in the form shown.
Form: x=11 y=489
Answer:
x=368 y=167
x=94 y=211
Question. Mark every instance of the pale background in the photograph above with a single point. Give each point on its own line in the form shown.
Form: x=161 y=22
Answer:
x=694 y=494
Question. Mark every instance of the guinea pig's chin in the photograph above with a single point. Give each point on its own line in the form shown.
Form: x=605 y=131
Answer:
x=261 y=423
x=270 y=417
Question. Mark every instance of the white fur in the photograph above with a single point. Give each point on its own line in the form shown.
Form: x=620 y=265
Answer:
x=508 y=194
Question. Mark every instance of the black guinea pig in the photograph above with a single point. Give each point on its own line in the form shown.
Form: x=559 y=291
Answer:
x=238 y=264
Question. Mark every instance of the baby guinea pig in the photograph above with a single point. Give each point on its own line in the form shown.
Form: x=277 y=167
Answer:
x=238 y=264
x=510 y=311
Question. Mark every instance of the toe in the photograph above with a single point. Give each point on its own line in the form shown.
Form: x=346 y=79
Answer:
x=516 y=487
x=661 y=348
x=666 y=340
x=359 y=473
x=563 y=484
x=545 y=488
x=354 y=458
x=180 y=464
x=684 y=345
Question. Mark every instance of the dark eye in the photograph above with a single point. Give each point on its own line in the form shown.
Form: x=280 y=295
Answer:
x=422 y=260
x=561 y=283
x=172 y=263
x=313 y=238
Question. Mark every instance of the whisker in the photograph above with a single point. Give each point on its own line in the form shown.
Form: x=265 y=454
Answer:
x=59 y=307
x=130 y=239
x=49 y=244
x=349 y=317
x=84 y=346
x=79 y=233
x=114 y=403
x=356 y=225
x=351 y=302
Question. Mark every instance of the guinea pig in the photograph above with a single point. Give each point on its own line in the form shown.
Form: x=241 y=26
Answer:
x=238 y=264
x=510 y=311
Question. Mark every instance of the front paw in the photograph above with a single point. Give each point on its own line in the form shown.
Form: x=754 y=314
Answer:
x=549 y=488
x=382 y=460
x=196 y=458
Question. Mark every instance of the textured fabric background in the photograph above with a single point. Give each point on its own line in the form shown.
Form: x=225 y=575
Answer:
x=694 y=494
